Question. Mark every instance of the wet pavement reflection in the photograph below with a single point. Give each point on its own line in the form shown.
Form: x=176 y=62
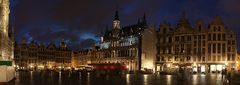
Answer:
x=86 y=78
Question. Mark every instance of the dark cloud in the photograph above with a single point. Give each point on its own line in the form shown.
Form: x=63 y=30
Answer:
x=88 y=43
x=80 y=21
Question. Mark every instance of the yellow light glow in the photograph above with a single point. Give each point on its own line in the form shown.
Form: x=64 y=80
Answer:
x=40 y=66
x=219 y=67
x=226 y=63
x=50 y=66
x=203 y=68
x=213 y=67
x=68 y=67
x=31 y=66
x=148 y=65
x=168 y=65
x=127 y=66
x=59 y=66
x=194 y=64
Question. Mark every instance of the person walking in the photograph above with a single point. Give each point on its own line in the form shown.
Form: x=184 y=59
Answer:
x=229 y=77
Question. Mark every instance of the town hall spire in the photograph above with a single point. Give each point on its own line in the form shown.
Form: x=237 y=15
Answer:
x=116 y=21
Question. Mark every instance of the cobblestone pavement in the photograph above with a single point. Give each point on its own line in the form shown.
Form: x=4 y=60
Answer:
x=80 y=78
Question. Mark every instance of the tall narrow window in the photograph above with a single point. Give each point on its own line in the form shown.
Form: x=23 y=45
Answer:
x=219 y=37
x=182 y=38
x=223 y=48
x=214 y=37
x=214 y=48
x=219 y=48
x=170 y=39
x=209 y=48
x=209 y=37
x=223 y=37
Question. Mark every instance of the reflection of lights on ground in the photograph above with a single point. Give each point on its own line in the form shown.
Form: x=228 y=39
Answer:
x=31 y=79
x=145 y=79
x=169 y=80
x=80 y=77
x=128 y=79
x=194 y=79
x=31 y=73
x=17 y=77
x=60 y=77
x=88 y=79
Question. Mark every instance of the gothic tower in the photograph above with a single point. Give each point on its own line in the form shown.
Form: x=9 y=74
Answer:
x=116 y=21
x=116 y=25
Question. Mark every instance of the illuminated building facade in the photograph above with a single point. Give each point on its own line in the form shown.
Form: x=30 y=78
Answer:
x=204 y=49
x=34 y=56
x=238 y=61
x=132 y=46
x=85 y=57
x=75 y=62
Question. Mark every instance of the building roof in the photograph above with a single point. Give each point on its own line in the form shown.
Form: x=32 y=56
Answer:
x=217 y=21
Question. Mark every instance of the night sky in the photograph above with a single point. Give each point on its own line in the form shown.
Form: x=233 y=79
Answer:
x=79 y=22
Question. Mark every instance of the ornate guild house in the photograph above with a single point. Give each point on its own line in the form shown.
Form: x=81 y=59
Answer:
x=38 y=56
x=210 y=48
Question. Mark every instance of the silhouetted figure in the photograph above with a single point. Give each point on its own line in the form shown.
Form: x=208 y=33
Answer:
x=224 y=72
x=229 y=76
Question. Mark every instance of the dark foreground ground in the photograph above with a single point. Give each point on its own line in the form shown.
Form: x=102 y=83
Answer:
x=84 y=78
